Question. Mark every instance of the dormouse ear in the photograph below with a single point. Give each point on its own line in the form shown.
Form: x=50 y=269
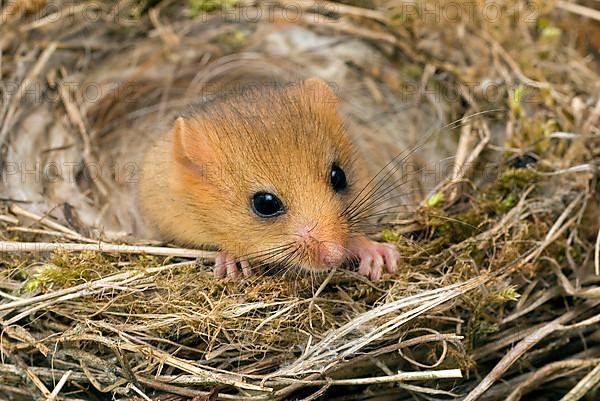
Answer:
x=320 y=91
x=190 y=145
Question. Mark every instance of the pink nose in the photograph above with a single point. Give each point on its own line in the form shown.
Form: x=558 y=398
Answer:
x=330 y=255
x=324 y=248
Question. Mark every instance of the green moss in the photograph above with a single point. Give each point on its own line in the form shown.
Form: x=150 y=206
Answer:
x=141 y=7
x=490 y=203
x=483 y=323
x=516 y=179
x=65 y=269
x=458 y=227
x=534 y=131
x=32 y=284
x=483 y=328
x=389 y=235
x=516 y=98
x=509 y=201
x=412 y=71
x=543 y=22
x=504 y=295
x=550 y=34
x=197 y=7
x=435 y=200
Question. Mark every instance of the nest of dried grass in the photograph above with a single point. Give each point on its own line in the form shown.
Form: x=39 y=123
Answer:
x=499 y=290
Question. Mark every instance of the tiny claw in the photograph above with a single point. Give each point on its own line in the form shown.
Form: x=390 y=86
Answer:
x=246 y=268
x=226 y=265
x=365 y=266
x=220 y=266
x=373 y=255
x=392 y=257
x=232 y=269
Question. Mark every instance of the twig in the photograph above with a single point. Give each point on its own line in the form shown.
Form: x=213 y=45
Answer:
x=351 y=29
x=7 y=117
x=40 y=231
x=334 y=345
x=427 y=390
x=511 y=357
x=9 y=219
x=82 y=289
x=77 y=119
x=579 y=10
x=9 y=389
x=45 y=220
x=399 y=377
x=47 y=375
x=583 y=386
x=581 y=168
x=597 y=254
x=523 y=346
x=67 y=11
x=541 y=375
x=38 y=247
x=30 y=373
x=338 y=8
x=317 y=393
x=140 y=392
x=203 y=374
x=186 y=392
x=61 y=383
x=319 y=290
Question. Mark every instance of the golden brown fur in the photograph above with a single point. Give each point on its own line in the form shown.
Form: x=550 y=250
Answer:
x=198 y=179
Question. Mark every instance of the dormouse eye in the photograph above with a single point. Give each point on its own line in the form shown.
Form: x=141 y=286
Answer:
x=338 y=178
x=265 y=204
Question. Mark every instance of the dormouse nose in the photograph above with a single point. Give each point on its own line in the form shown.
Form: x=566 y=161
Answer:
x=324 y=247
x=330 y=254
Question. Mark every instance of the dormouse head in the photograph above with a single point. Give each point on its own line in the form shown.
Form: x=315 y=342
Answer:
x=272 y=175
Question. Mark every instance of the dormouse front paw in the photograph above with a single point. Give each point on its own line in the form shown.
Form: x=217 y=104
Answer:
x=226 y=264
x=373 y=256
